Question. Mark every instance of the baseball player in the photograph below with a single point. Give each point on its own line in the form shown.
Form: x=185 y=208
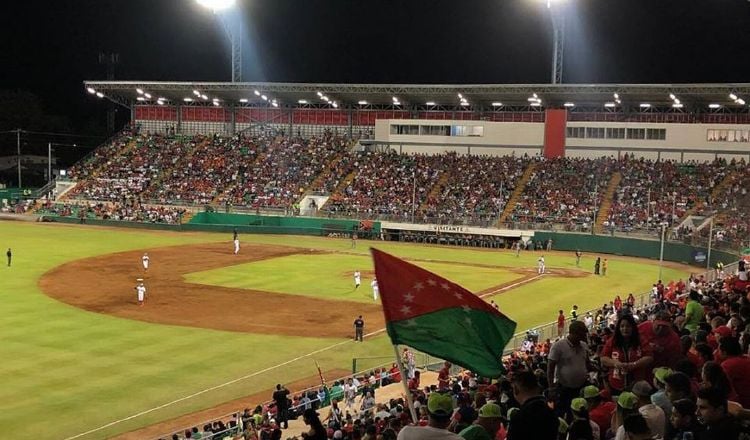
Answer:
x=236 y=245
x=141 y=290
x=357 y=279
x=145 y=261
x=375 y=289
x=540 y=265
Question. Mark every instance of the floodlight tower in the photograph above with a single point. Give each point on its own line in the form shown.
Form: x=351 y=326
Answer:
x=557 y=15
x=228 y=14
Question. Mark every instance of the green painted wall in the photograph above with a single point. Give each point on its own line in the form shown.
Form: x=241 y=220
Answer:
x=216 y=221
x=633 y=247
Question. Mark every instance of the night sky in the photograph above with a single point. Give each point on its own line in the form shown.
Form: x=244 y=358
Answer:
x=50 y=47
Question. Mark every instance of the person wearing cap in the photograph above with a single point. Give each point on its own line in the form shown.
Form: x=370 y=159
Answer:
x=662 y=340
x=568 y=365
x=659 y=398
x=654 y=415
x=439 y=411
x=719 y=333
x=582 y=426
x=627 y=404
x=600 y=409
x=534 y=419
x=486 y=426
x=737 y=368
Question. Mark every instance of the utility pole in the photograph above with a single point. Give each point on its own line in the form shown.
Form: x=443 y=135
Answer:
x=110 y=60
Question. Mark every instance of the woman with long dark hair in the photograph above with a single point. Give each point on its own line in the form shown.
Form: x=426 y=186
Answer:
x=713 y=375
x=627 y=359
x=317 y=431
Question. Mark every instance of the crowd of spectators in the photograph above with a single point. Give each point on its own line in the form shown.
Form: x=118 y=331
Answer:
x=131 y=211
x=656 y=192
x=565 y=191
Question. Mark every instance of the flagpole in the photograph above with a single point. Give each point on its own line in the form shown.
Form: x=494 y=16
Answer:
x=405 y=384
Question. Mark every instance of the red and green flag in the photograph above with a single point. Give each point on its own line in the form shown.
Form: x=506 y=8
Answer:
x=441 y=318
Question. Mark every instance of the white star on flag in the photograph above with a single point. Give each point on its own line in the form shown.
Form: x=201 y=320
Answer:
x=467 y=309
x=418 y=286
x=410 y=323
x=458 y=295
x=409 y=297
x=431 y=282
x=445 y=286
x=405 y=310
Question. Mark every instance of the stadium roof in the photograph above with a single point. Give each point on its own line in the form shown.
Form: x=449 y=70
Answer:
x=641 y=97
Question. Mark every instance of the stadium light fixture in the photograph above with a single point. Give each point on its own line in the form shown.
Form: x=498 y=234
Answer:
x=714 y=105
x=320 y=94
x=536 y=104
x=609 y=104
x=139 y=91
x=204 y=97
x=257 y=93
x=396 y=102
x=395 y=99
x=196 y=93
x=100 y=94
x=160 y=102
x=429 y=103
x=275 y=104
x=215 y=99
x=187 y=99
x=740 y=101
x=616 y=96
x=91 y=90
x=334 y=104
x=732 y=96
x=677 y=105
x=535 y=96
x=533 y=99
x=677 y=101
x=243 y=100
x=362 y=102
x=147 y=95
x=569 y=104
x=460 y=96
x=216 y=103
x=264 y=97
x=497 y=104
x=645 y=105
x=302 y=101
x=672 y=97
x=140 y=98
x=325 y=98
x=464 y=103
x=217 y=5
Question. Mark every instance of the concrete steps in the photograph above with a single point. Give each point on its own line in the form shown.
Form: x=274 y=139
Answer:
x=520 y=186
x=606 y=204
x=437 y=188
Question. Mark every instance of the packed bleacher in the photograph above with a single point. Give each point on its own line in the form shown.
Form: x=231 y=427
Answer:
x=673 y=367
x=652 y=193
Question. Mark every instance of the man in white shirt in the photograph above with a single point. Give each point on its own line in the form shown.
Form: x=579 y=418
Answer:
x=439 y=409
x=567 y=366
x=375 y=289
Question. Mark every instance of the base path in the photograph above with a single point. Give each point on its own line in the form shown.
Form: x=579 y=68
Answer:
x=105 y=284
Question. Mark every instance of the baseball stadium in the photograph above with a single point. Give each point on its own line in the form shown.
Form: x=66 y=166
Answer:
x=221 y=243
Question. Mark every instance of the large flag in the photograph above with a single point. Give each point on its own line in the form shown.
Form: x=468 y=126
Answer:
x=441 y=318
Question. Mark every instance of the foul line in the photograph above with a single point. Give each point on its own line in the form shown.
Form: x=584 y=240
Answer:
x=181 y=399
x=267 y=369
x=527 y=280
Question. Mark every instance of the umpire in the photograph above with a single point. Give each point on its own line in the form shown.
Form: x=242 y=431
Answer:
x=359 y=328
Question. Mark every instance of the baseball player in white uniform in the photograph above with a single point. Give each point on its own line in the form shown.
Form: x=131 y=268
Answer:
x=145 y=261
x=141 y=290
x=357 y=279
x=375 y=289
x=540 y=265
x=236 y=246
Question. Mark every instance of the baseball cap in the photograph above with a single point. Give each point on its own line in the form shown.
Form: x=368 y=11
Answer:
x=661 y=373
x=590 y=391
x=490 y=411
x=579 y=404
x=440 y=405
x=627 y=400
x=642 y=388
x=723 y=331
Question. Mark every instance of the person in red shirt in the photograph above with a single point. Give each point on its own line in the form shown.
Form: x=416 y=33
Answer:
x=662 y=340
x=720 y=333
x=626 y=357
x=600 y=409
x=560 y=324
x=618 y=303
x=631 y=300
x=394 y=373
x=737 y=368
x=444 y=376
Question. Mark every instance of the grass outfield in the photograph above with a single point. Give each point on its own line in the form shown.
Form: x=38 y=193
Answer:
x=66 y=371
